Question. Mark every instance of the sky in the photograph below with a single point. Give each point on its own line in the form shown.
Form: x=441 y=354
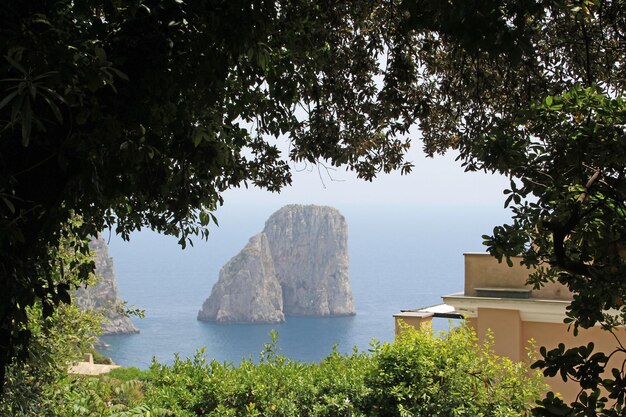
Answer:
x=434 y=181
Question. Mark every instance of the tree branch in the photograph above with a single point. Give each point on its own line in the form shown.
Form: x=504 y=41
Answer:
x=590 y=182
x=561 y=232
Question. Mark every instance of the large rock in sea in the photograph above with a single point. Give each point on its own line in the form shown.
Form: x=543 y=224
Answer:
x=303 y=272
x=310 y=250
x=103 y=297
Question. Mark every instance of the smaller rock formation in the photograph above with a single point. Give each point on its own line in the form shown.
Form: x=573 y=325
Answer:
x=103 y=296
x=298 y=265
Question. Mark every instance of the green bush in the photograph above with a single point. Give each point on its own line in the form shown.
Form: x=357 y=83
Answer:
x=99 y=358
x=423 y=374
x=106 y=397
x=275 y=386
x=128 y=374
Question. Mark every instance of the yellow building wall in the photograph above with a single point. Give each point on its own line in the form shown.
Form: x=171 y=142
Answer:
x=483 y=271
x=512 y=336
x=416 y=321
x=551 y=334
x=506 y=328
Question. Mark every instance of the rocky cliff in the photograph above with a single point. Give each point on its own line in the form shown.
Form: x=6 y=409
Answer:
x=103 y=296
x=298 y=265
x=247 y=289
x=309 y=246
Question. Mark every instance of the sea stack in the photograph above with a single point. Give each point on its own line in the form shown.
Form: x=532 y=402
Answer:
x=103 y=296
x=304 y=271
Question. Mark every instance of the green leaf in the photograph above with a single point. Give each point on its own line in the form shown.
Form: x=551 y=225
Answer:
x=9 y=204
x=119 y=73
x=17 y=106
x=27 y=122
x=101 y=54
x=6 y=100
x=54 y=108
x=15 y=64
x=198 y=136
x=204 y=218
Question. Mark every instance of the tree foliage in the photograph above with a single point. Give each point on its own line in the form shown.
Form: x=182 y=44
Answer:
x=57 y=340
x=567 y=197
x=140 y=113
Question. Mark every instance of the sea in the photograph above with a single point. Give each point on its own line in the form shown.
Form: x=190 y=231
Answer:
x=401 y=257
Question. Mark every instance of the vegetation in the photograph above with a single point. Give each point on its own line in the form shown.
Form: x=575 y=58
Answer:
x=422 y=374
x=567 y=194
x=550 y=115
x=132 y=114
x=56 y=340
x=534 y=90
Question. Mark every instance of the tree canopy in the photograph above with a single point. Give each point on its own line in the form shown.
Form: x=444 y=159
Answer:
x=540 y=99
x=137 y=114
x=549 y=113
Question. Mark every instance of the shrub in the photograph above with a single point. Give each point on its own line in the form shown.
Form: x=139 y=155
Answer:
x=33 y=385
x=276 y=386
x=128 y=374
x=99 y=358
x=423 y=374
